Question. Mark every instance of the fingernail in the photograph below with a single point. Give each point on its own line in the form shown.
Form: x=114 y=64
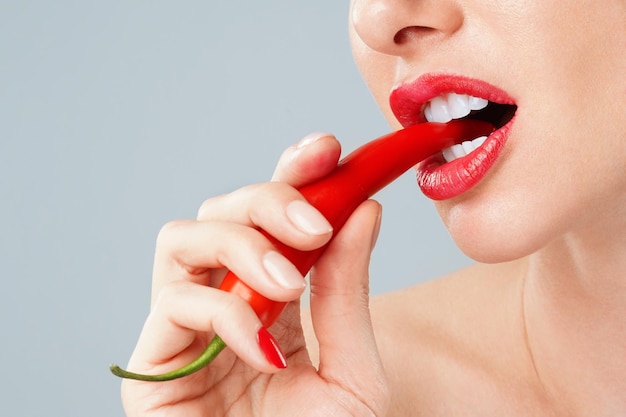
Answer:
x=377 y=229
x=270 y=348
x=310 y=138
x=282 y=271
x=307 y=219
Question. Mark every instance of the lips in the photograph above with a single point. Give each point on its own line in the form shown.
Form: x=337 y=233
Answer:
x=441 y=98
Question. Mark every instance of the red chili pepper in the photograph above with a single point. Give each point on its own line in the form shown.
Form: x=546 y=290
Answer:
x=357 y=177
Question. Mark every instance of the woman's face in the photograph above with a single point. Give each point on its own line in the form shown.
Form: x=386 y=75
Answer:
x=559 y=163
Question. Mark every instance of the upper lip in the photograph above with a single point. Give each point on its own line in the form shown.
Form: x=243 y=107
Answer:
x=408 y=99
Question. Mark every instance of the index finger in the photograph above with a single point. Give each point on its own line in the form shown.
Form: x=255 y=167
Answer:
x=314 y=157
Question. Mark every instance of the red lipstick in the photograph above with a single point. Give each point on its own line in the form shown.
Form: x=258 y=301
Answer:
x=438 y=179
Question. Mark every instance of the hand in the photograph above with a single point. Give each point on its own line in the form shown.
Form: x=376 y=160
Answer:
x=246 y=379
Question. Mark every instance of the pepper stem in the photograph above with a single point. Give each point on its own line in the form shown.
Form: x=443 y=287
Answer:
x=216 y=345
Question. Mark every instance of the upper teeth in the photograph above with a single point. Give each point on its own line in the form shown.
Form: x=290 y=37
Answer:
x=444 y=108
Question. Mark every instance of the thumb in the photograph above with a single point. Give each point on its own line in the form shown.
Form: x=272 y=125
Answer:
x=340 y=310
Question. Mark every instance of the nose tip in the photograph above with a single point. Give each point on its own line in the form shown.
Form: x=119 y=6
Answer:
x=366 y=14
x=398 y=27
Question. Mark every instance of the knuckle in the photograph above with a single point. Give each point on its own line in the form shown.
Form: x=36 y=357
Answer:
x=204 y=209
x=208 y=206
x=232 y=304
x=242 y=243
x=265 y=191
x=168 y=292
x=231 y=308
x=168 y=231
x=239 y=203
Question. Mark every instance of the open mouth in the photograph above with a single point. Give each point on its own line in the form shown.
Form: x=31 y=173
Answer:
x=441 y=97
x=453 y=106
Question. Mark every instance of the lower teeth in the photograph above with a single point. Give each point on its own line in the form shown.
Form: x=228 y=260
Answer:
x=463 y=149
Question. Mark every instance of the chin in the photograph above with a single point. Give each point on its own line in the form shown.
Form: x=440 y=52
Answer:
x=490 y=251
x=495 y=233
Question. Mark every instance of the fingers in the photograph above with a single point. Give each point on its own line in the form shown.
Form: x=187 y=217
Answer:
x=315 y=156
x=226 y=234
x=340 y=307
x=274 y=207
x=187 y=250
x=182 y=312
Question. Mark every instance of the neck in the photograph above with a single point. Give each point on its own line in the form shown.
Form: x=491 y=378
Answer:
x=575 y=312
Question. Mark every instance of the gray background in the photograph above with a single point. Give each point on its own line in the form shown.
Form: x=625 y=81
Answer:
x=118 y=116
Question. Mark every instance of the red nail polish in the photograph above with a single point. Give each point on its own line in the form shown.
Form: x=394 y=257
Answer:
x=270 y=348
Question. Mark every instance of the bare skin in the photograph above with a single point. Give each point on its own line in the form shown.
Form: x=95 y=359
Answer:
x=187 y=309
x=550 y=219
x=536 y=327
x=446 y=357
x=459 y=345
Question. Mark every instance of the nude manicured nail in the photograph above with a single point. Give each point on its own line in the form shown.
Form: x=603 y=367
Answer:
x=283 y=272
x=376 y=230
x=310 y=138
x=306 y=218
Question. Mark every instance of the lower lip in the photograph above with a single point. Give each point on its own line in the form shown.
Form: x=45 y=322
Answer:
x=441 y=180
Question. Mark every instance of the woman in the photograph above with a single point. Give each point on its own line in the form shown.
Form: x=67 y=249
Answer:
x=536 y=327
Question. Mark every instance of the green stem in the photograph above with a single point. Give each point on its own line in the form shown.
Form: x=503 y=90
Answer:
x=213 y=349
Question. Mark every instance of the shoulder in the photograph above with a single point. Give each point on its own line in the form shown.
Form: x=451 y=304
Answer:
x=454 y=343
x=468 y=296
